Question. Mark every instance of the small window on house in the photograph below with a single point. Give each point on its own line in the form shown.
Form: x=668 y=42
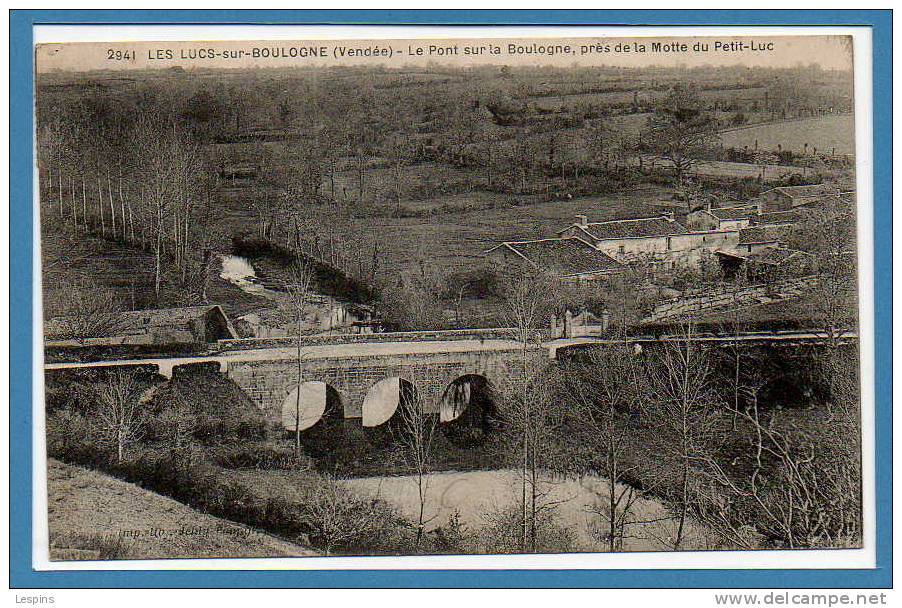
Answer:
x=669 y=243
x=704 y=239
x=749 y=247
x=621 y=249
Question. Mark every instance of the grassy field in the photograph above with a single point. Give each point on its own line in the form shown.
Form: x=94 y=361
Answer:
x=823 y=132
x=455 y=240
x=90 y=512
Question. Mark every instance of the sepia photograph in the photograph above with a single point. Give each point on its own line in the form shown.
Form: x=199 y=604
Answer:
x=442 y=297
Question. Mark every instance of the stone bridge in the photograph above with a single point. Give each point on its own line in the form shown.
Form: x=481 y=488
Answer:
x=362 y=380
x=368 y=380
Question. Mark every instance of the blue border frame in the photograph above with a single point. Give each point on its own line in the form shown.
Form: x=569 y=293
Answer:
x=21 y=224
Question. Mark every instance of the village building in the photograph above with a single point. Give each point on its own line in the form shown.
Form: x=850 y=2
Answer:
x=777 y=217
x=722 y=218
x=186 y=325
x=757 y=238
x=658 y=240
x=568 y=258
x=764 y=263
x=791 y=197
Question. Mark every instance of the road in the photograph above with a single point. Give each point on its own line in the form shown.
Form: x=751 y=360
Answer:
x=387 y=349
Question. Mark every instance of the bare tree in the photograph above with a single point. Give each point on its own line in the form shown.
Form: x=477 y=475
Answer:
x=81 y=310
x=685 y=410
x=299 y=288
x=415 y=435
x=532 y=417
x=604 y=393
x=332 y=512
x=120 y=415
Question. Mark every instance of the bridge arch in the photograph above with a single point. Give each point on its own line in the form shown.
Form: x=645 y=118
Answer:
x=383 y=399
x=468 y=410
x=317 y=401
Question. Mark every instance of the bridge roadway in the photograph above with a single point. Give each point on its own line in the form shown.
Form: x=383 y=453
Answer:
x=357 y=350
x=366 y=379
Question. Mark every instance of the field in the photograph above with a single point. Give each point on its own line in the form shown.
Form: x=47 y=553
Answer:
x=825 y=133
x=455 y=240
x=88 y=510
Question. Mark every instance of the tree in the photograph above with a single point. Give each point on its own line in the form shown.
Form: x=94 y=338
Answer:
x=166 y=158
x=120 y=415
x=399 y=150
x=604 y=392
x=82 y=310
x=415 y=434
x=680 y=131
x=684 y=410
x=299 y=288
x=334 y=515
x=796 y=486
x=532 y=417
x=828 y=234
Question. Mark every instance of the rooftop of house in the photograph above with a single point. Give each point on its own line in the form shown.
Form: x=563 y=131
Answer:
x=755 y=235
x=563 y=256
x=777 y=217
x=631 y=228
x=733 y=213
x=771 y=256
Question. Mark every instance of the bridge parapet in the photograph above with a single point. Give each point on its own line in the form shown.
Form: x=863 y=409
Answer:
x=482 y=335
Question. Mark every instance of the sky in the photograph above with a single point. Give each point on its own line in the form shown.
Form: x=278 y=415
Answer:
x=830 y=52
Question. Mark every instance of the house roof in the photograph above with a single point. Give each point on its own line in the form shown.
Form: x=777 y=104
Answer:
x=777 y=217
x=563 y=256
x=733 y=213
x=632 y=228
x=762 y=234
x=772 y=256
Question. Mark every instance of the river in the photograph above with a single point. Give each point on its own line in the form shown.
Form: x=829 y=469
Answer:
x=325 y=314
x=473 y=494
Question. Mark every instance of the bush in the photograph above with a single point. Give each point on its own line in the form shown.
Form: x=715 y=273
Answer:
x=71 y=438
x=261 y=456
x=504 y=527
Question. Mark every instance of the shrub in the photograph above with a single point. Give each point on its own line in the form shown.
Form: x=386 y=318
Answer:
x=504 y=528
x=261 y=456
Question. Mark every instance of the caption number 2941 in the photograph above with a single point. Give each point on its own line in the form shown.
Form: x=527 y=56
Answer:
x=120 y=55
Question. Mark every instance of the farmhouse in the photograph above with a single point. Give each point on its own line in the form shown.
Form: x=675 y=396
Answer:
x=756 y=238
x=659 y=240
x=186 y=325
x=777 y=217
x=790 y=197
x=722 y=218
x=568 y=258
x=761 y=263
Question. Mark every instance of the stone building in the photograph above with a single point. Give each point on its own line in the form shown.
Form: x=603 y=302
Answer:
x=791 y=197
x=569 y=258
x=658 y=240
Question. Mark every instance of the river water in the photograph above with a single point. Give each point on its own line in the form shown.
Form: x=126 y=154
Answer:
x=325 y=314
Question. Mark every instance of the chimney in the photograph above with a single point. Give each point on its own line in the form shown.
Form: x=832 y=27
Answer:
x=582 y=220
